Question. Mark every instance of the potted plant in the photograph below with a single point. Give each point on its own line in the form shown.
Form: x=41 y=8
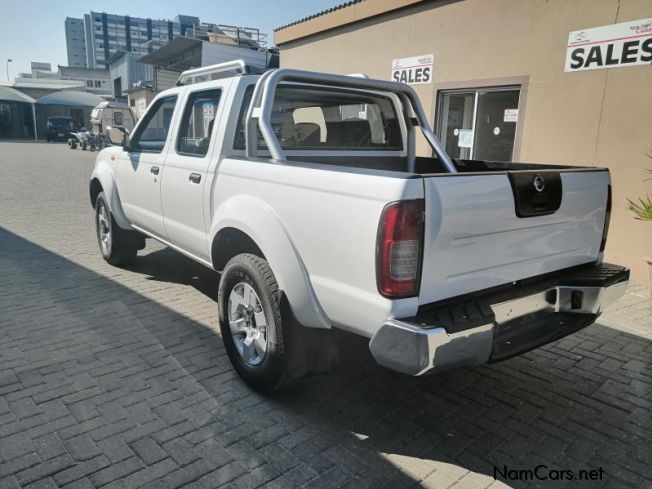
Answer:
x=642 y=209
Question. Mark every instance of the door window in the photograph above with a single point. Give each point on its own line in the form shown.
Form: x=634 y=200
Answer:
x=152 y=133
x=479 y=124
x=197 y=123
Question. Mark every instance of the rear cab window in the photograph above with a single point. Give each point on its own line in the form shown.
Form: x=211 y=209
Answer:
x=320 y=118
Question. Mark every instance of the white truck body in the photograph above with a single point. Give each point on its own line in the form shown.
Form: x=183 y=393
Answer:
x=316 y=218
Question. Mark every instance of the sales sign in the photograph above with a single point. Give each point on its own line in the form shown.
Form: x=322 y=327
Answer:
x=610 y=46
x=414 y=70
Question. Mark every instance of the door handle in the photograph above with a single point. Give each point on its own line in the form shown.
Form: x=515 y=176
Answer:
x=194 y=178
x=154 y=170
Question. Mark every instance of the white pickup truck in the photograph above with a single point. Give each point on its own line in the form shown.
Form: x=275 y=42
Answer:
x=304 y=190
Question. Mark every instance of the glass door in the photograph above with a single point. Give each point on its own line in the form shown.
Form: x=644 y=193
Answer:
x=479 y=124
x=456 y=132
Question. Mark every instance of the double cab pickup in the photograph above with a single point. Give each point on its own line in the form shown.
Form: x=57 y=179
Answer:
x=305 y=191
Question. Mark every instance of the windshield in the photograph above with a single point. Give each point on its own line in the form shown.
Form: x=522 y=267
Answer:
x=321 y=118
x=63 y=122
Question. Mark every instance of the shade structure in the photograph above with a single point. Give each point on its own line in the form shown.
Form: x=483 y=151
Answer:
x=16 y=114
x=8 y=94
x=70 y=98
x=65 y=103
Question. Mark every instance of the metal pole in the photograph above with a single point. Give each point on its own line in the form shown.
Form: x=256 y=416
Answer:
x=8 y=61
x=34 y=120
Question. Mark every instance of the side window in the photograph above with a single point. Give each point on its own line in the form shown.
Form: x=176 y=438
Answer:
x=117 y=118
x=153 y=132
x=197 y=122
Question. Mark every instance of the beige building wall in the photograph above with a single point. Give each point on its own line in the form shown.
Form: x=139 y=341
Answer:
x=597 y=117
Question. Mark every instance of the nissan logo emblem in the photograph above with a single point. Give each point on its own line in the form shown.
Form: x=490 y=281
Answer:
x=539 y=183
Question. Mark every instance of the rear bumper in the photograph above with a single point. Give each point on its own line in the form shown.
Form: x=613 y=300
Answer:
x=497 y=324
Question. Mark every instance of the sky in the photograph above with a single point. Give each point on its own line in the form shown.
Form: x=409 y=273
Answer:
x=33 y=30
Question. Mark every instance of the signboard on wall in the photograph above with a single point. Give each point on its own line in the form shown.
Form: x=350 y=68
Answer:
x=414 y=70
x=610 y=46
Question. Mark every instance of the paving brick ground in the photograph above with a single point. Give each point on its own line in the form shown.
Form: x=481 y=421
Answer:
x=117 y=378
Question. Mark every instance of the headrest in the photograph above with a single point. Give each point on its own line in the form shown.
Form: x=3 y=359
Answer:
x=308 y=133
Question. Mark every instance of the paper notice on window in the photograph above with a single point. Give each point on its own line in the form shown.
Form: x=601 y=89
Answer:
x=511 y=115
x=465 y=138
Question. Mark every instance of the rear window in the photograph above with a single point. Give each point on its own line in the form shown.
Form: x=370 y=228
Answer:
x=307 y=118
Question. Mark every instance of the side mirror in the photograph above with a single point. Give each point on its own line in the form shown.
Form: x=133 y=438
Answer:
x=119 y=136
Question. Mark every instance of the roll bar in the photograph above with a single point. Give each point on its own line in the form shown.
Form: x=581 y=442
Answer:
x=260 y=110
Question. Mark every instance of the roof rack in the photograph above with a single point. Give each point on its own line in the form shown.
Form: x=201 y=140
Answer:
x=220 y=70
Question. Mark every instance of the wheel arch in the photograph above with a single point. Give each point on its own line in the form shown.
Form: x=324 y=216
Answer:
x=102 y=180
x=244 y=224
x=95 y=189
x=229 y=242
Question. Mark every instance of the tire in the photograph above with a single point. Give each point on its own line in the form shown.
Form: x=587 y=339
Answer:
x=121 y=246
x=264 y=371
x=84 y=145
x=72 y=143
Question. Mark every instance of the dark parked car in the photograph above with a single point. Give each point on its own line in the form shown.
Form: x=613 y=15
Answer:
x=59 y=128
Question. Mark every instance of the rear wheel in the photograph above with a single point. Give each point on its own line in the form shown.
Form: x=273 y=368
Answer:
x=84 y=145
x=117 y=245
x=251 y=323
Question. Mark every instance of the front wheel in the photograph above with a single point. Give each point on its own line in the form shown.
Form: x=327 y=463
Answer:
x=117 y=245
x=251 y=323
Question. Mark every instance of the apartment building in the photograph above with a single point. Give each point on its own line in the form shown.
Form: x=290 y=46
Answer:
x=91 y=41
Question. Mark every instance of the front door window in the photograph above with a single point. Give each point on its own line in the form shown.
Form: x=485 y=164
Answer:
x=151 y=134
x=479 y=124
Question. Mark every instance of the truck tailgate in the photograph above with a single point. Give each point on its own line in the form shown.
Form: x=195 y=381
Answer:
x=474 y=239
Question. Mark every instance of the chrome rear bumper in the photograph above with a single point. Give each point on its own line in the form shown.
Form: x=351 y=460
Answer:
x=492 y=327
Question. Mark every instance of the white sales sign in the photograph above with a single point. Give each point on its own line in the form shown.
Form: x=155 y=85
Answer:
x=414 y=70
x=610 y=46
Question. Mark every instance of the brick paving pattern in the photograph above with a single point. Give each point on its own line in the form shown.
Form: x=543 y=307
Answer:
x=117 y=378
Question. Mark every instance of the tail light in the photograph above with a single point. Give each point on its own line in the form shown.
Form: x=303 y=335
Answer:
x=607 y=218
x=398 y=256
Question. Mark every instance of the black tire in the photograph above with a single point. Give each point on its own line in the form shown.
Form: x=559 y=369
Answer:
x=72 y=143
x=84 y=145
x=271 y=373
x=123 y=245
